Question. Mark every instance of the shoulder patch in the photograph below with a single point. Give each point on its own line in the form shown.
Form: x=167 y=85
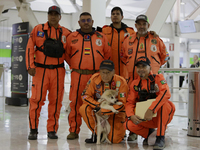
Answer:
x=163 y=82
x=122 y=94
x=154 y=41
x=40 y=33
x=136 y=88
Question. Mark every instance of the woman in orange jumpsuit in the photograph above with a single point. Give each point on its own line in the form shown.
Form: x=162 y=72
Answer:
x=99 y=82
x=48 y=71
x=86 y=48
x=149 y=86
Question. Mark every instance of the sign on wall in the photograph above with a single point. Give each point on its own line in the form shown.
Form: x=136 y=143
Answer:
x=19 y=76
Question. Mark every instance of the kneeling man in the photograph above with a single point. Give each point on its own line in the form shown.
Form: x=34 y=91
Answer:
x=149 y=86
x=100 y=82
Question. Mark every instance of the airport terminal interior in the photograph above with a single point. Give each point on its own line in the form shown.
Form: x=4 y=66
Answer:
x=178 y=25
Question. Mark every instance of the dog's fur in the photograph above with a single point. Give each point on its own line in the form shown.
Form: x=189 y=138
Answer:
x=107 y=99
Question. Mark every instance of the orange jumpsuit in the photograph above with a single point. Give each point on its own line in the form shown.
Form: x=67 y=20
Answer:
x=45 y=78
x=148 y=46
x=92 y=93
x=116 y=38
x=162 y=106
x=85 y=53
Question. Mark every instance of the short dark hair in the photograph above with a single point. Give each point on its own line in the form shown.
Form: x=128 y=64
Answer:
x=85 y=14
x=117 y=8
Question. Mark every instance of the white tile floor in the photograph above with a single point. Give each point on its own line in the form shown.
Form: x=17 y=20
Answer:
x=14 y=131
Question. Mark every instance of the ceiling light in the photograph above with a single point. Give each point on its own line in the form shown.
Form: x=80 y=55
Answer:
x=8 y=46
x=182 y=3
x=195 y=51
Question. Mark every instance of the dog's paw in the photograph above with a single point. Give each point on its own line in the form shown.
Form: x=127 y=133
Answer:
x=108 y=141
x=119 y=103
x=98 y=143
x=116 y=111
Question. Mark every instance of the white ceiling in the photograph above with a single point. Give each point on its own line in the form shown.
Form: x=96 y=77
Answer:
x=131 y=8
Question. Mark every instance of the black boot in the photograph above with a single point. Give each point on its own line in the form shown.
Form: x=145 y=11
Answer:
x=52 y=135
x=33 y=134
x=93 y=139
x=151 y=130
x=160 y=143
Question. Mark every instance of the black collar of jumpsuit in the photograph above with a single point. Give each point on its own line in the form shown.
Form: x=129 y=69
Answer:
x=82 y=33
x=123 y=27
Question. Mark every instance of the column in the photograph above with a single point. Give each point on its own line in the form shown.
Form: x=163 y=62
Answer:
x=97 y=8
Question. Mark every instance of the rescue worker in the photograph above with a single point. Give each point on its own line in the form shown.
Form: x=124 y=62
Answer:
x=143 y=44
x=45 y=62
x=149 y=86
x=100 y=82
x=116 y=33
x=86 y=48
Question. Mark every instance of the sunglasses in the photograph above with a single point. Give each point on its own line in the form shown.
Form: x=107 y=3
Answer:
x=84 y=20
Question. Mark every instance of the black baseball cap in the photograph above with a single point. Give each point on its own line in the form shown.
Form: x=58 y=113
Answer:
x=54 y=8
x=142 y=17
x=107 y=64
x=143 y=60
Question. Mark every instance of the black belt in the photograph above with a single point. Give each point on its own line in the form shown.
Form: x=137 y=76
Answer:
x=48 y=66
x=81 y=71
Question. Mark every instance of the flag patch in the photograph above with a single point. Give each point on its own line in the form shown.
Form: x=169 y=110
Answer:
x=40 y=33
x=163 y=82
x=87 y=51
x=122 y=94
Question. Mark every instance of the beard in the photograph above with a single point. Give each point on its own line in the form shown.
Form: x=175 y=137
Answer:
x=142 y=31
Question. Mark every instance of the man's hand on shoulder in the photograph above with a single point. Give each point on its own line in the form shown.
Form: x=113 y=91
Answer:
x=32 y=71
x=155 y=35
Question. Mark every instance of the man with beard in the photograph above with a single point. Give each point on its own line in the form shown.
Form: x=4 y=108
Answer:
x=143 y=44
x=86 y=49
x=149 y=86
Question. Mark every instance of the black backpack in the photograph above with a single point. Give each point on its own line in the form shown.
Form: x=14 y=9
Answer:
x=52 y=47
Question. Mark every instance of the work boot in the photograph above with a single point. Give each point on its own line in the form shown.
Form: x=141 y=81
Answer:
x=132 y=136
x=151 y=130
x=33 y=134
x=52 y=135
x=93 y=139
x=72 y=136
x=160 y=143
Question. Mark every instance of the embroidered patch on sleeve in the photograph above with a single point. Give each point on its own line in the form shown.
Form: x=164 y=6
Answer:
x=85 y=96
x=163 y=82
x=122 y=94
x=135 y=88
x=41 y=34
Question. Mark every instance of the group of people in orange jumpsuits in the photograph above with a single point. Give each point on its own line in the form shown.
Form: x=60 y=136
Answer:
x=112 y=57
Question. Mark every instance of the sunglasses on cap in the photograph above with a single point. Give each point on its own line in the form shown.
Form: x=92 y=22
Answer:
x=84 y=20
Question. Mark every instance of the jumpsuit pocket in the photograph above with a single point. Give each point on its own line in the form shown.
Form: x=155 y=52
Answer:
x=155 y=59
x=74 y=53
x=33 y=96
x=100 y=54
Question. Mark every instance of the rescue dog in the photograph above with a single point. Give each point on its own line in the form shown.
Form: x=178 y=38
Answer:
x=107 y=99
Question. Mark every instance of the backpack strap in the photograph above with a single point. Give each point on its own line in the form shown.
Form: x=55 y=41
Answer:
x=60 y=35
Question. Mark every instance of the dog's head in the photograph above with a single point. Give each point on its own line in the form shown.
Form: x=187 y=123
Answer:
x=109 y=96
